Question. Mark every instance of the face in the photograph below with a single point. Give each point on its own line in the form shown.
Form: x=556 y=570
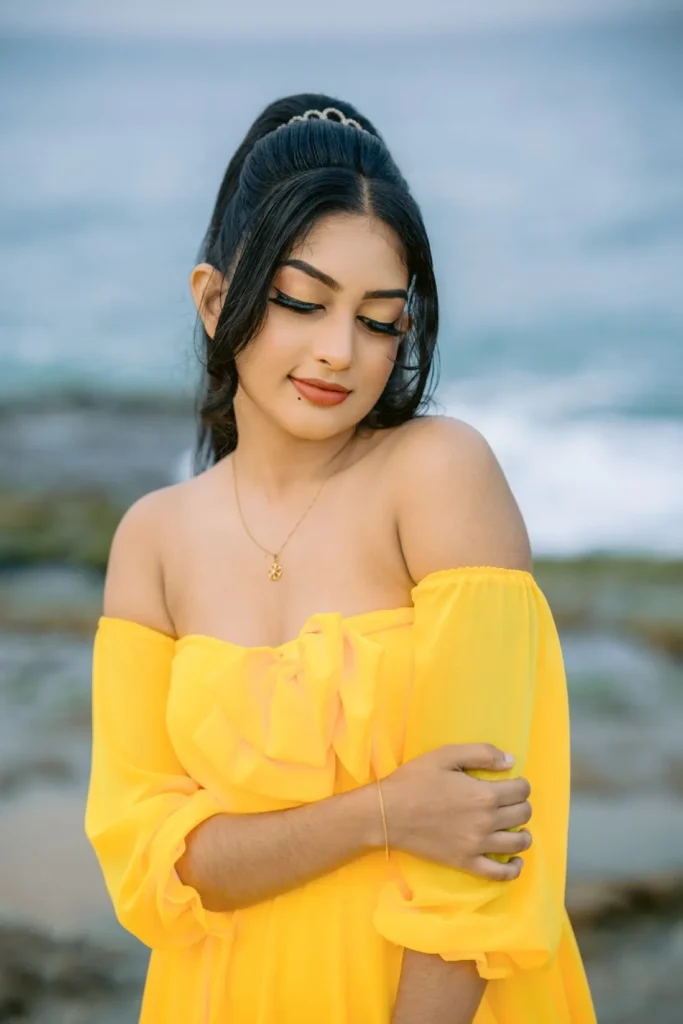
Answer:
x=336 y=313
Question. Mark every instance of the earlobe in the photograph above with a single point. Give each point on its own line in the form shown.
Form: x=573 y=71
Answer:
x=206 y=284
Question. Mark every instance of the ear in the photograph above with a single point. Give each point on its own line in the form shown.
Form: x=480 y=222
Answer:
x=208 y=291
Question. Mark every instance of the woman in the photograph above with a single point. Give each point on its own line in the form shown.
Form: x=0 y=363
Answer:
x=303 y=648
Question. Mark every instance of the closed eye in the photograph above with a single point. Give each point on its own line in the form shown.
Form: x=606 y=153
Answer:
x=295 y=304
x=380 y=327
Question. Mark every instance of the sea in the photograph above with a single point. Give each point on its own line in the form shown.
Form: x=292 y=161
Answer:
x=548 y=163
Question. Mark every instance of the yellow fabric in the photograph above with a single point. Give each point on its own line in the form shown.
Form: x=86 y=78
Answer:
x=187 y=729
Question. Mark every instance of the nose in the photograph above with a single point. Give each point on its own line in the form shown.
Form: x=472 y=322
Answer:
x=334 y=342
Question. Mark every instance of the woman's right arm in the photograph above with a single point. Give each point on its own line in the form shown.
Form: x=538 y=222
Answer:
x=433 y=808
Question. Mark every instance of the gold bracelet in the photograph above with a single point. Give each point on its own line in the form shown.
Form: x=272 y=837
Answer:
x=384 y=819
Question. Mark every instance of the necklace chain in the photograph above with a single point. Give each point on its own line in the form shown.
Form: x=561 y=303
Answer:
x=275 y=570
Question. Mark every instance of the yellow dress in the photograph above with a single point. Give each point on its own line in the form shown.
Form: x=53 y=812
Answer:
x=190 y=728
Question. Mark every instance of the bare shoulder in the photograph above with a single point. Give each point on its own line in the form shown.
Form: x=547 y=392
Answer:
x=134 y=584
x=454 y=504
x=434 y=442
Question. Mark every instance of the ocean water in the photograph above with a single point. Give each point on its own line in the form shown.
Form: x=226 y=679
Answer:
x=549 y=168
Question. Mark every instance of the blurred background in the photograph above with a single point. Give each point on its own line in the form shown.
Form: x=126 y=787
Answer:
x=544 y=142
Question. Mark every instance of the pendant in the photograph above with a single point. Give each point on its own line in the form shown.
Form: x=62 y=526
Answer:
x=275 y=570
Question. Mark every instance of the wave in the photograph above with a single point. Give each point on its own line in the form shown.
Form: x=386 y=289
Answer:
x=586 y=478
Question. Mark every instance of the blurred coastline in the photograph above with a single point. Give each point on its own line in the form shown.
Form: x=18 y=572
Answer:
x=563 y=323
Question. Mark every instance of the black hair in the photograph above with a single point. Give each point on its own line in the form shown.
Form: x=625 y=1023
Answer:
x=281 y=180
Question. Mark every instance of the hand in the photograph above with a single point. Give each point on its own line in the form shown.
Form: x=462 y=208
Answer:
x=435 y=810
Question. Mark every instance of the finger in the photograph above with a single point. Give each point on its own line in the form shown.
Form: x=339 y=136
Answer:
x=497 y=871
x=512 y=816
x=508 y=842
x=509 y=791
x=472 y=756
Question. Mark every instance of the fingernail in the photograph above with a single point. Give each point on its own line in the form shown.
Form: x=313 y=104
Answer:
x=509 y=760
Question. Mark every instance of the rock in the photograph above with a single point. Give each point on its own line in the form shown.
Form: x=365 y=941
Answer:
x=597 y=903
x=62 y=527
x=45 y=977
x=666 y=636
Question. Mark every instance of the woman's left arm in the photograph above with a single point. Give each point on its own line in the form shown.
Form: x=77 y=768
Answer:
x=454 y=504
x=436 y=991
x=455 y=509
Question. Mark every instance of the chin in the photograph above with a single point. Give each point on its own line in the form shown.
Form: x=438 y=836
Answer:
x=318 y=431
x=319 y=424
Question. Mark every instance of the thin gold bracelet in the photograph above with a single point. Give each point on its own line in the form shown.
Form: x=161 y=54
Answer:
x=384 y=819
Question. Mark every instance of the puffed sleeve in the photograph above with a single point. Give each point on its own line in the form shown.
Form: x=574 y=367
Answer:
x=141 y=804
x=488 y=668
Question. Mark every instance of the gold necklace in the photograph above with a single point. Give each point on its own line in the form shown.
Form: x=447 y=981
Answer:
x=275 y=570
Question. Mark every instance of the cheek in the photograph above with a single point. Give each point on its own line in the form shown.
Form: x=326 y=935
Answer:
x=378 y=360
x=269 y=356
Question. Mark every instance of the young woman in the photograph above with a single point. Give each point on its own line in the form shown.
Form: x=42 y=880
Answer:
x=319 y=657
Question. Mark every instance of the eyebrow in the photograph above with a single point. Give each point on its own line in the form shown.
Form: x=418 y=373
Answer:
x=319 y=275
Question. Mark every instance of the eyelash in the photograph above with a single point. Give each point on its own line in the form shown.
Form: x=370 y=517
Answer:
x=377 y=326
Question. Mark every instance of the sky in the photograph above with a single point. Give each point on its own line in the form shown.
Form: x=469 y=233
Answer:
x=227 y=18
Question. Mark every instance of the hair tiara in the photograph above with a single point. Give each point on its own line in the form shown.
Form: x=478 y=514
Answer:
x=324 y=115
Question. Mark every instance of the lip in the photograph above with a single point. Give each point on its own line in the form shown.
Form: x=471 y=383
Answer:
x=320 y=392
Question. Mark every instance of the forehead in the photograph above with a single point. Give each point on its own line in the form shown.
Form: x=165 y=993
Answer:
x=354 y=248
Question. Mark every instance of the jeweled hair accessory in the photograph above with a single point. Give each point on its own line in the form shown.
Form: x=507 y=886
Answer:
x=324 y=115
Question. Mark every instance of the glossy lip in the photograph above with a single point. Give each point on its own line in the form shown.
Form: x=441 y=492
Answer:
x=324 y=385
x=319 y=392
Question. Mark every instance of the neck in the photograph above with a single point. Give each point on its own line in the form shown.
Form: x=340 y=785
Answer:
x=278 y=463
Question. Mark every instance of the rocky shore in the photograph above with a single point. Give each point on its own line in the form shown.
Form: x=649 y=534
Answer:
x=68 y=468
